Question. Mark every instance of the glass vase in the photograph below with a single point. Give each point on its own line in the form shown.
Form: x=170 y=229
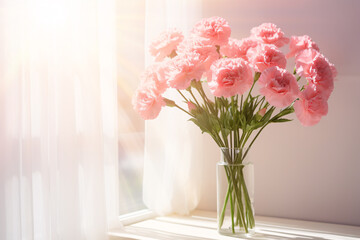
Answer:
x=235 y=193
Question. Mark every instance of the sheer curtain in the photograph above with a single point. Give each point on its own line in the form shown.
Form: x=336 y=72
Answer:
x=173 y=146
x=58 y=141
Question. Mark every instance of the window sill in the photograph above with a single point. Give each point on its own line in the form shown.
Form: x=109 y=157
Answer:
x=202 y=225
x=138 y=216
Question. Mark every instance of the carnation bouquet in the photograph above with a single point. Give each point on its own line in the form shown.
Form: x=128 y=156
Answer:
x=232 y=89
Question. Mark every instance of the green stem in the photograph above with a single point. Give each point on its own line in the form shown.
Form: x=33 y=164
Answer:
x=239 y=202
x=194 y=97
x=247 y=135
x=222 y=215
x=241 y=103
x=232 y=213
x=256 y=77
x=261 y=103
x=252 y=142
x=238 y=197
x=201 y=90
x=182 y=95
x=205 y=100
x=184 y=110
x=247 y=201
x=231 y=143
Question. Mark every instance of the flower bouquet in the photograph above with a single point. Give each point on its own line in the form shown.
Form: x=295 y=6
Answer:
x=232 y=89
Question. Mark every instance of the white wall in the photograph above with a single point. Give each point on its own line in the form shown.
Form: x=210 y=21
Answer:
x=309 y=173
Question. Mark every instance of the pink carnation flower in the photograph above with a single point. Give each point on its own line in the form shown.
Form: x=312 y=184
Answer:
x=205 y=51
x=265 y=56
x=147 y=101
x=230 y=76
x=311 y=106
x=183 y=69
x=304 y=59
x=165 y=44
x=333 y=69
x=238 y=48
x=279 y=87
x=269 y=33
x=317 y=70
x=299 y=43
x=215 y=29
x=156 y=74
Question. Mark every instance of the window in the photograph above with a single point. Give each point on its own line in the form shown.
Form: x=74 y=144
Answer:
x=130 y=53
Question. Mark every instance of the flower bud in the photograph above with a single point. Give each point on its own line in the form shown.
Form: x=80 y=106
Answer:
x=191 y=106
x=262 y=112
x=169 y=103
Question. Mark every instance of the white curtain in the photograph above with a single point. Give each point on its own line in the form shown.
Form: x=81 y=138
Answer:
x=58 y=141
x=173 y=146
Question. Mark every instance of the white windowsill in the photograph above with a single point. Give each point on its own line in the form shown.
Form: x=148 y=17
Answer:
x=137 y=216
x=202 y=225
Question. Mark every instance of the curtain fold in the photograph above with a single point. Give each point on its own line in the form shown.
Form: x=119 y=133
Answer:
x=173 y=146
x=58 y=141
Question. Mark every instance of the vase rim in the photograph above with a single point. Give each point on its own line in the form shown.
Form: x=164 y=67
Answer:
x=224 y=148
x=235 y=164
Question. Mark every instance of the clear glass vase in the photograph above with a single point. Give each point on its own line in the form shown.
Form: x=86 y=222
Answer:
x=235 y=193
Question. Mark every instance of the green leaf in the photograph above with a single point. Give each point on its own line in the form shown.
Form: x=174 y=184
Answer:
x=225 y=132
x=258 y=117
x=256 y=126
x=281 y=120
x=214 y=123
x=198 y=124
x=284 y=112
x=267 y=115
x=242 y=120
